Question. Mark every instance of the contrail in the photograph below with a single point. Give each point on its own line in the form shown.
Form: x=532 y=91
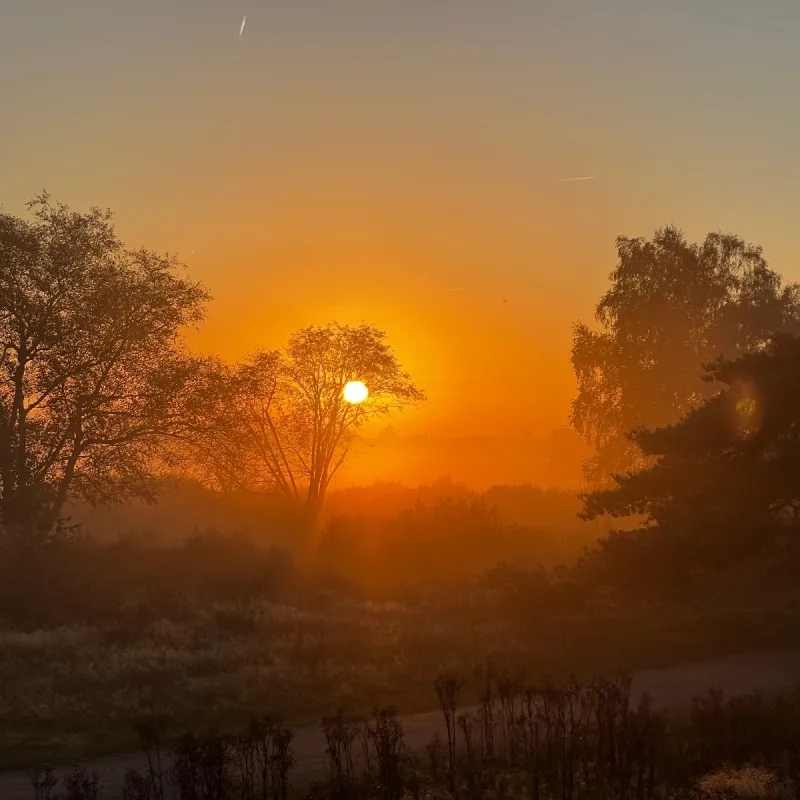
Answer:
x=571 y=180
x=241 y=30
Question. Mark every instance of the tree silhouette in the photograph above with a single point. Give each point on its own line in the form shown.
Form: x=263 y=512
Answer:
x=672 y=307
x=280 y=421
x=726 y=479
x=92 y=376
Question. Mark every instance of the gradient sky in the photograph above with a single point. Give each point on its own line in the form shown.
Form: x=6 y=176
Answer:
x=359 y=160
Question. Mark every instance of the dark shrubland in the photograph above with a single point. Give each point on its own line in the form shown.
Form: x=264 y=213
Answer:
x=86 y=583
x=537 y=740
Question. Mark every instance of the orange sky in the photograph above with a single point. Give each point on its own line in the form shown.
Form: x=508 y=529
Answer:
x=356 y=161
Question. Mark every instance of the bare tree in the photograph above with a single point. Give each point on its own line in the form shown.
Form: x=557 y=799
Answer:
x=92 y=374
x=281 y=421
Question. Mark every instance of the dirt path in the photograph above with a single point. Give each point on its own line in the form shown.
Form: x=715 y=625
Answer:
x=672 y=686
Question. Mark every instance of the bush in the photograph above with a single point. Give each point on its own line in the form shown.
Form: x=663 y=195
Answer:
x=125 y=586
x=743 y=782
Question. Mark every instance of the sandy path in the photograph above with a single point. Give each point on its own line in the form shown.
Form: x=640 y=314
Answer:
x=669 y=687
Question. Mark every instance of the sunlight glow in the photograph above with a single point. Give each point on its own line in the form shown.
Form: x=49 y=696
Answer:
x=355 y=392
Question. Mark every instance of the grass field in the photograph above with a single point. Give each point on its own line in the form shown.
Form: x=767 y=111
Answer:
x=75 y=691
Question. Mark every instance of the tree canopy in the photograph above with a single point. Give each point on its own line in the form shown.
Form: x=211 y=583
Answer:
x=280 y=421
x=672 y=307
x=93 y=377
x=726 y=478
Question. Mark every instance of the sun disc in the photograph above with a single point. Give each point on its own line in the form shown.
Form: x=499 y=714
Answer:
x=355 y=392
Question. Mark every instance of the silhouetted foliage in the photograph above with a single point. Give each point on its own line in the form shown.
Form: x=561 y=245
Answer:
x=341 y=734
x=672 y=307
x=92 y=375
x=448 y=688
x=565 y=740
x=43 y=781
x=725 y=484
x=149 y=785
x=386 y=736
x=280 y=421
x=81 y=785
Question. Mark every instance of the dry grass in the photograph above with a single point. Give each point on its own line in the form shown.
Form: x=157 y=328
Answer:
x=217 y=662
x=744 y=782
x=75 y=690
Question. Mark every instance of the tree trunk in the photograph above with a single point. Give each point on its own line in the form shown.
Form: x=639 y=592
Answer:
x=313 y=524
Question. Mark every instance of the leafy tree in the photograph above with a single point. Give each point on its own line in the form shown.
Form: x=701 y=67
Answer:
x=92 y=375
x=725 y=481
x=672 y=307
x=280 y=421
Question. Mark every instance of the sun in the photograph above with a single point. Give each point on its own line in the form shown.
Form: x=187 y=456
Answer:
x=355 y=392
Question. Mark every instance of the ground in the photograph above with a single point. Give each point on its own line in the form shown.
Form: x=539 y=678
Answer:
x=766 y=671
x=74 y=692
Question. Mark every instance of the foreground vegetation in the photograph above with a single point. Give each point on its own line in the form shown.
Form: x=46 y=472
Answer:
x=216 y=630
x=564 y=740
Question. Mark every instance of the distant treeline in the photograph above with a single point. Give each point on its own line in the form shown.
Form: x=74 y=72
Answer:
x=185 y=508
x=449 y=538
x=128 y=585
x=385 y=535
